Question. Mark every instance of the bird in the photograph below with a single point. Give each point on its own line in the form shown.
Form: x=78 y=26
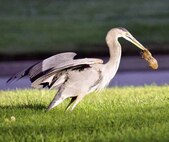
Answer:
x=75 y=78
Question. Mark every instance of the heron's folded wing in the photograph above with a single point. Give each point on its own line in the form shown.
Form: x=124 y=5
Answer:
x=44 y=66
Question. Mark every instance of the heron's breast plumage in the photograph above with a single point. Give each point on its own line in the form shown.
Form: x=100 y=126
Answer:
x=107 y=75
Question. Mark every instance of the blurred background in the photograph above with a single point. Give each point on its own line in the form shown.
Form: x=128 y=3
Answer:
x=34 y=30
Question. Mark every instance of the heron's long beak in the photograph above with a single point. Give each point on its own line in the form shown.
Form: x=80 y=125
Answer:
x=135 y=42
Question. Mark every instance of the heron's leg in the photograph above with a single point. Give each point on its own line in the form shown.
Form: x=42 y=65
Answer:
x=78 y=99
x=56 y=101
x=72 y=100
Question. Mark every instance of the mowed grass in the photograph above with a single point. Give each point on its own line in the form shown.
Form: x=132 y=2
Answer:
x=116 y=114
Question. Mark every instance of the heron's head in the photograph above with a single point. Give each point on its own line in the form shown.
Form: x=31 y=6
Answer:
x=116 y=33
x=122 y=32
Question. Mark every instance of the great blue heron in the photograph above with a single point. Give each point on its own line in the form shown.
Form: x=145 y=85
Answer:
x=74 y=78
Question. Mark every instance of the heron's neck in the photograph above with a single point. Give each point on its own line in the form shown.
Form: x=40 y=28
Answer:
x=110 y=68
x=115 y=54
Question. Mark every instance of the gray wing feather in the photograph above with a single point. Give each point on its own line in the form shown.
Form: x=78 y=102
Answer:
x=46 y=65
x=50 y=72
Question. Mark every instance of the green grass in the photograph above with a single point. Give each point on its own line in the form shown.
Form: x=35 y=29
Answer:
x=55 y=26
x=117 y=114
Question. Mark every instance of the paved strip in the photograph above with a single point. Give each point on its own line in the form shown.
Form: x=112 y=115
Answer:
x=131 y=63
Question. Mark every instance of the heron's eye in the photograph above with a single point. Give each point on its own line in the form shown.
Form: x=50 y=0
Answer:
x=128 y=35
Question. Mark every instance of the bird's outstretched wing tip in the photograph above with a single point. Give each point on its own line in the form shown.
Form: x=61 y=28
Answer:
x=17 y=76
x=11 y=79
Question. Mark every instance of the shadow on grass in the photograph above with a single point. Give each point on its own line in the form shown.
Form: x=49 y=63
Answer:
x=29 y=106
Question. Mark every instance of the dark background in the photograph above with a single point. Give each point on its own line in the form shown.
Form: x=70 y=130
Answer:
x=32 y=29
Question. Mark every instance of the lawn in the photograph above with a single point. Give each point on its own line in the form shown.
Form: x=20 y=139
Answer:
x=116 y=114
x=41 y=27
